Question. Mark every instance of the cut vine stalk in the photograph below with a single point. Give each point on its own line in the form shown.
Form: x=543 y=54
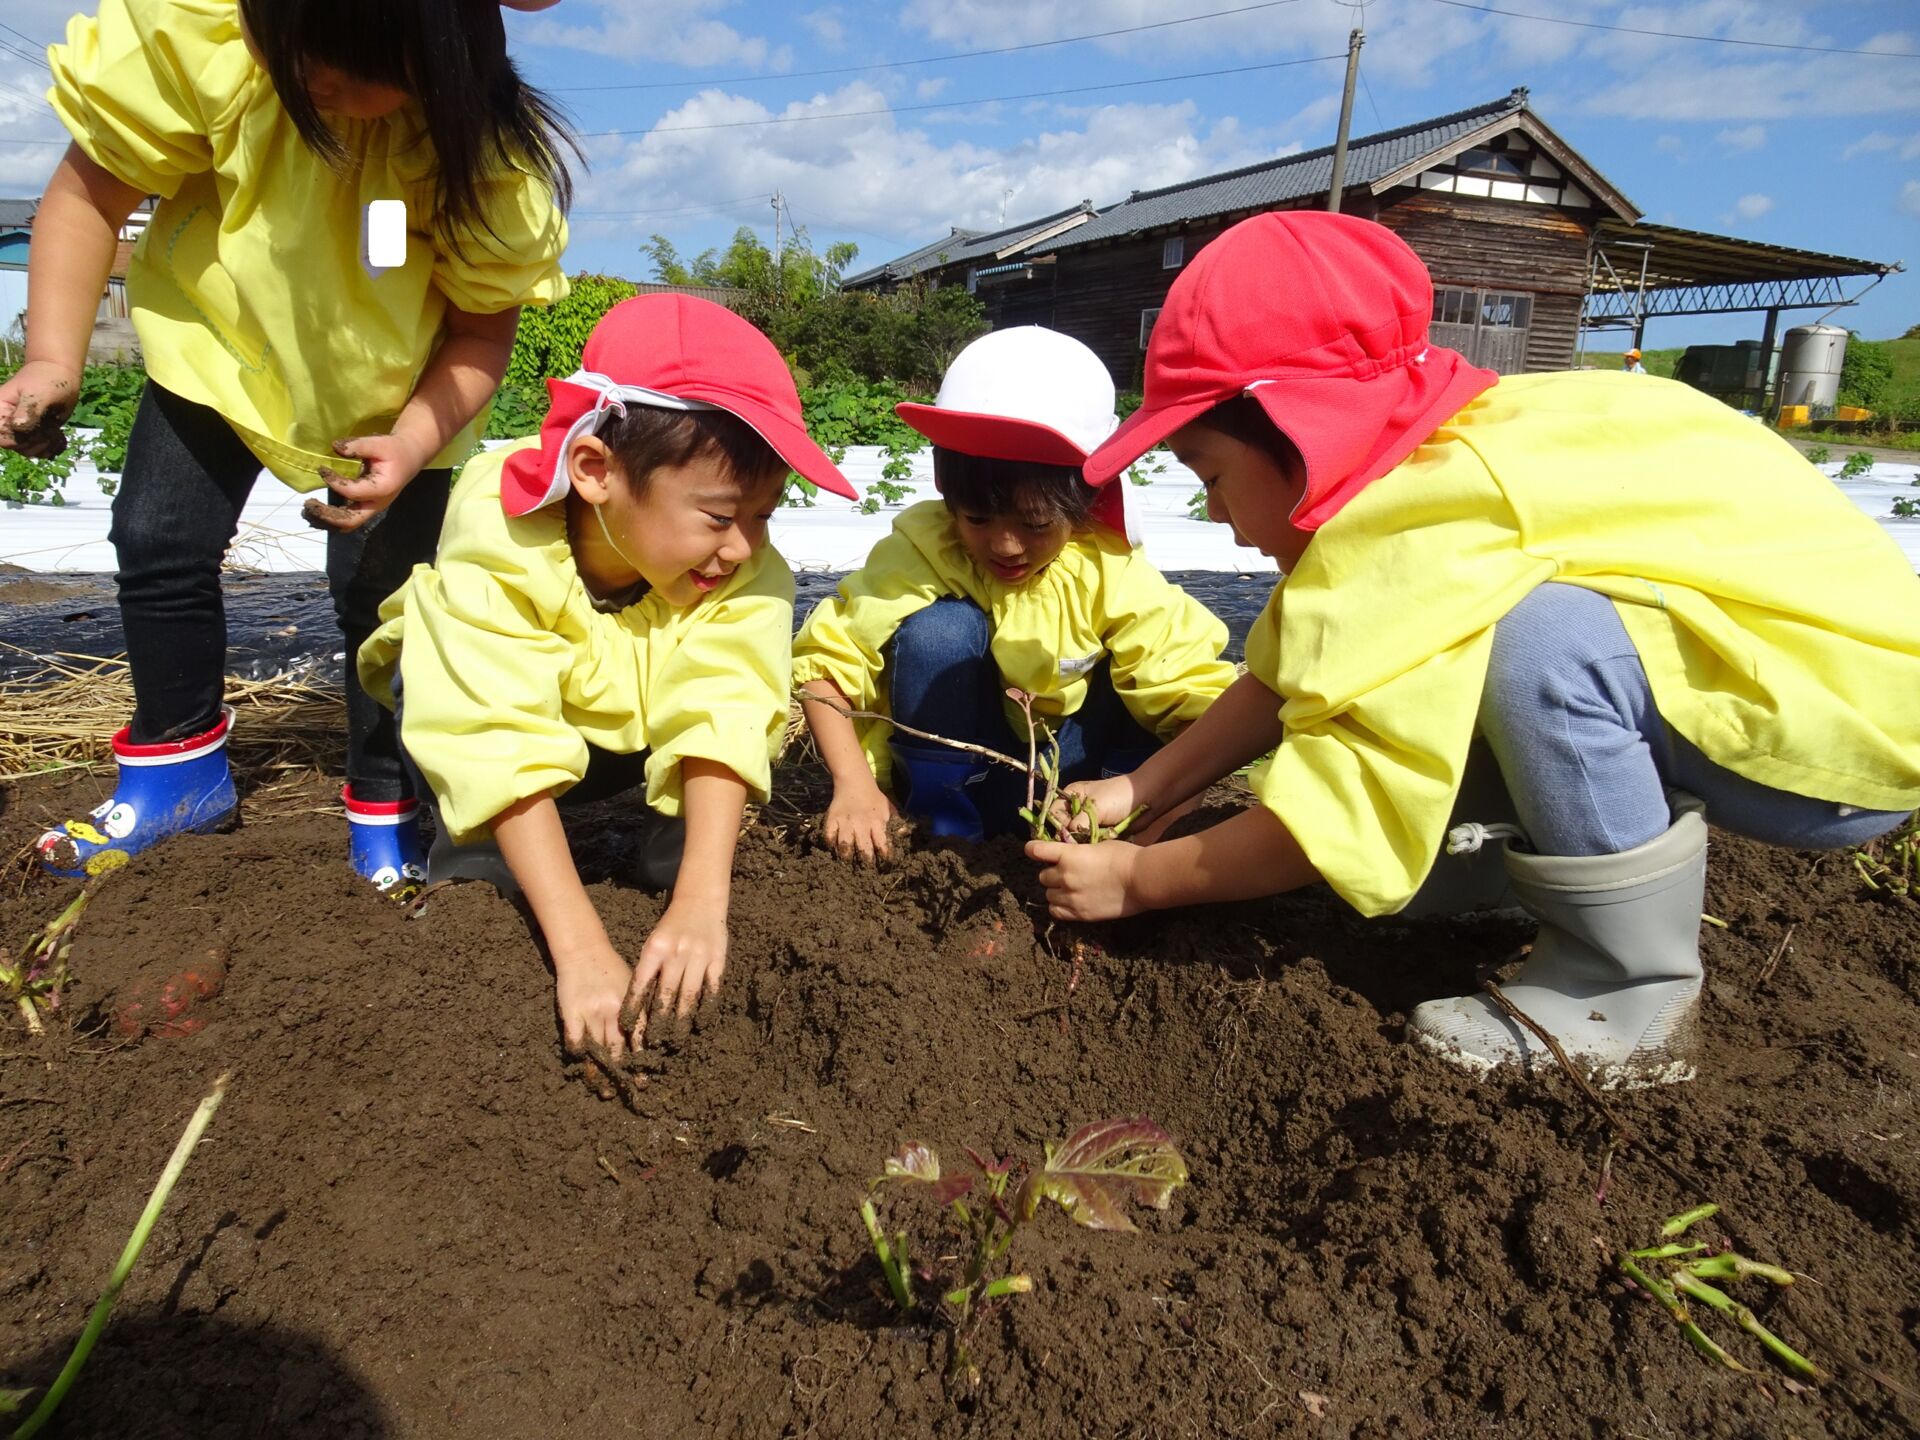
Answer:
x=986 y=752
x=129 y=1257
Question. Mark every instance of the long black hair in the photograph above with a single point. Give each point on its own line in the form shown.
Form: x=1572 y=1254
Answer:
x=452 y=56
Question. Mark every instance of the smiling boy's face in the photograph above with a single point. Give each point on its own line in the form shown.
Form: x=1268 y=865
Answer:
x=684 y=532
x=1248 y=489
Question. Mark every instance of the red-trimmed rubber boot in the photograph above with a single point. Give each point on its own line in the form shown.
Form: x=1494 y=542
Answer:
x=384 y=844
x=178 y=787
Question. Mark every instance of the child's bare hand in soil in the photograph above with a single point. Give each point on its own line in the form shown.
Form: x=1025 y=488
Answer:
x=588 y=990
x=683 y=960
x=857 y=822
x=1088 y=882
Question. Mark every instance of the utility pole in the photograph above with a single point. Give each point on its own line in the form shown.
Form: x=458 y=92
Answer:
x=1355 y=39
x=779 y=203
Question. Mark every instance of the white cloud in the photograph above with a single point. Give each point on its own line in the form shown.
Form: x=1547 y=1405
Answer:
x=929 y=89
x=1879 y=142
x=1909 y=201
x=1748 y=207
x=1746 y=137
x=681 y=32
x=869 y=175
x=1670 y=145
x=828 y=26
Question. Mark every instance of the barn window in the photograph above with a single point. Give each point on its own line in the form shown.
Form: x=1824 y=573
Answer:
x=1489 y=327
x=1147 y=317
x=1491 y=162
x=1173 y=252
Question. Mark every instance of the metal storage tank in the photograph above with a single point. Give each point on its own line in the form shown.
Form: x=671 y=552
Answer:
x=1810 y=365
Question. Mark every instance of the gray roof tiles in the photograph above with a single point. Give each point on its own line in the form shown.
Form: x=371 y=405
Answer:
x=1291 y=177
x=959 y=245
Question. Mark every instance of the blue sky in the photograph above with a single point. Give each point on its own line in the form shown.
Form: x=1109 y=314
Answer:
x=1789 y=145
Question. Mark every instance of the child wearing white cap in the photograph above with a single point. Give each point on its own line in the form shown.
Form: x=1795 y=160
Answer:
x=1020 y=576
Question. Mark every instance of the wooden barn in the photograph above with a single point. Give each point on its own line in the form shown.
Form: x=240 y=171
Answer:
x=1500 y=207
x=1524 y=238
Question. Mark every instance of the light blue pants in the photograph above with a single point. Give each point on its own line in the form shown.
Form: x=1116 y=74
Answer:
x=1587 y=760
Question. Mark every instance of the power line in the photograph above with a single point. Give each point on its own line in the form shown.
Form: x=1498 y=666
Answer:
x=923 y=60
x=22 y=35
x=1678 y=34
x=961 y=104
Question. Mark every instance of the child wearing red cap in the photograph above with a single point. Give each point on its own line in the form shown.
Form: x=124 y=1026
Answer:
x=1652 y=610
x=1021 y=575
x=604 y=613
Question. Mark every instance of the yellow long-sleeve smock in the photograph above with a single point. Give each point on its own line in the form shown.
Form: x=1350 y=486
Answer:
x=248 y=290
x=510 y=672
x=1779 y=626
x=1098 y=600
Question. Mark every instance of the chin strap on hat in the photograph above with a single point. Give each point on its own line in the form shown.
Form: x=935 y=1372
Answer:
x=608 y=395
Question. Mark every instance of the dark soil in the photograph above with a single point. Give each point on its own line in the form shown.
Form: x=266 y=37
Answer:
x=409 y=1220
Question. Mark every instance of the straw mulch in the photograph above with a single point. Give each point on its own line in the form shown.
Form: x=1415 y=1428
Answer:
x=64 y=717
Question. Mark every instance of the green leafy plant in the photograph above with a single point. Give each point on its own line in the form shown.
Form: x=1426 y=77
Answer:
x=1855 y=465
x=1905 y=506
x=36 y=482
x=1091 y=1175
x=883 y=493
x=1691 y=1273
x=1197 y=505
x=1818 y=454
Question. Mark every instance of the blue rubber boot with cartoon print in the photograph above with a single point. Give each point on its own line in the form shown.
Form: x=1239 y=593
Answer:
x=178 y=787
x=384 y=844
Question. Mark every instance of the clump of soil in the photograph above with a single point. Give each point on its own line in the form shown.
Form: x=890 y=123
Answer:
x=408 y=1220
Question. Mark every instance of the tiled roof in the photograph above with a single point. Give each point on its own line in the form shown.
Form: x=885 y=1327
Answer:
x=17 y=214
x=961 y=245
x=1276 y=182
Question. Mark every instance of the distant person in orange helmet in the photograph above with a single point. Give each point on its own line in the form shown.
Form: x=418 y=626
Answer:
x=1633 y=365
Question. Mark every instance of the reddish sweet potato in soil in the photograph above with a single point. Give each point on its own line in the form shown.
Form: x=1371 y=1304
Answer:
x=163 y=1004
x=407 y=1221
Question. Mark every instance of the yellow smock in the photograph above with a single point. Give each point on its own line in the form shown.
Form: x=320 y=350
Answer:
x=1779 y=626
x=510 y=672
x=1098 y=600
x=248 y=289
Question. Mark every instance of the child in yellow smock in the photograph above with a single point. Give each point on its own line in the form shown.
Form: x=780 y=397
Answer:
x=1652 y=609
x=605 y=612
x=267 y=128
x=1019 y=576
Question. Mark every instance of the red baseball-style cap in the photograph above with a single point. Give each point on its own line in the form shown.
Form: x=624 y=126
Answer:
x=1320 y=317
x=679 y=353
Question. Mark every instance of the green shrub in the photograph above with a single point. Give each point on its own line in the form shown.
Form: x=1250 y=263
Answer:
x=1866 y=374
x=551 y=337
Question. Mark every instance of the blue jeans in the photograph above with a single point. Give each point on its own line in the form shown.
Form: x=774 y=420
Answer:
x=944 y=680
x=1587 y=759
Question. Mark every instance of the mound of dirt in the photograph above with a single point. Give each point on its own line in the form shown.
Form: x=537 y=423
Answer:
x=409 y=1220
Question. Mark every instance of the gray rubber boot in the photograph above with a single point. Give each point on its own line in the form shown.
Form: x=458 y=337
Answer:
x=1615 y=970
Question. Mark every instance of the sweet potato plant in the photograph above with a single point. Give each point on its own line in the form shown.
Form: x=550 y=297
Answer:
x=1091 y=1176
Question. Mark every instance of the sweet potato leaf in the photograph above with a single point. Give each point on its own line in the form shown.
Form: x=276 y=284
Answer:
x=1099 y=1166
x=915 y=1160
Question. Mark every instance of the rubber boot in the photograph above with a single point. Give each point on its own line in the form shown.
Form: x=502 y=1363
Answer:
x=383 y=842
x=932 y=781
x=476 y=860
x=1615 y=972
x=174 y=788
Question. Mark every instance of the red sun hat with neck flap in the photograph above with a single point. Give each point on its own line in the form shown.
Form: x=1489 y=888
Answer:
x=674 y=352
x=1320 y=317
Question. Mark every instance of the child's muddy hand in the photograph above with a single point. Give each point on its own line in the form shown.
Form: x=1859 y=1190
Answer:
x=682 y=961
x=1087 y=882
x=857 y=824
x=588 y=989
x=34 y=404
x=387 y=463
